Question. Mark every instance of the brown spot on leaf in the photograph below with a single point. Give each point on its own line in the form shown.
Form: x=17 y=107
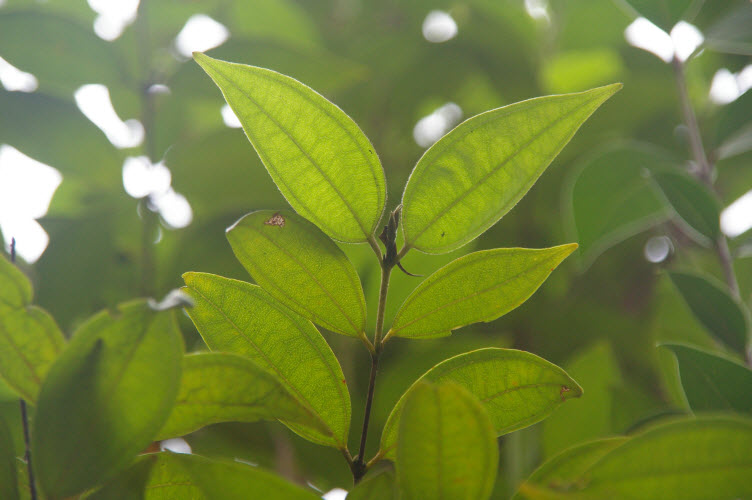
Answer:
x=564 y=389
x=275 y=220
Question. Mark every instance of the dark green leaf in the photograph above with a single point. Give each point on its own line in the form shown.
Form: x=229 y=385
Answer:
x=30 y=341
x=238 y=317
x=665 y=13
x=318 y=157
x=106 y=397
x=712 y=381
x=731 y=33
x=516 y=388
x=218 y=387
x=692 y=201
x=446 y=446
x=714 y=308
x=477 y=172
x=129 y=484
x=8 y=464
x=302 y=268
x=380 y=485
x=480 y=286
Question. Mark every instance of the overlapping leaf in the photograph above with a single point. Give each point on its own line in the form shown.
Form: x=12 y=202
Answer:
x=692 y=201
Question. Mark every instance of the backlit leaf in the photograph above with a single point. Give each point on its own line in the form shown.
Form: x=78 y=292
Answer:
x=320 y=160
x=692 y=201
x=379 y=485
x=477 y=172
x=241 y=318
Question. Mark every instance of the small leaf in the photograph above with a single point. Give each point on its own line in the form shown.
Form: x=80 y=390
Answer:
x=714 y=308
x=564 y=469
x=241 y=318
x=30 y=341
x=477 y=172
x=218 y=387
x=713 y=382
x=379 y=485
x=320 y=160
x=236 y=481
x=105 y=398
x=480 y=286
x=446 y=446
x=8 y=463
x=692 y=459
x=302 y=268
x=516 y=388
x=692 y=201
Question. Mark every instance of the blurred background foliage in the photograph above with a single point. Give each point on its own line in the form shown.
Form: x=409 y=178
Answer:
x=406 y=72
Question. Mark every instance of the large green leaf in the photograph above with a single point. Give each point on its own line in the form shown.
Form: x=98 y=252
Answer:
x=379 y=485
x=694 y=459
x=318 y=157
x=480 y=286
x=713 y=382
x=30 y=341
x=302 y=268
x=516 y=388
x=692 y=201
x=238 y=317
x=8 y=464
x=714 y=308
x=477 y=172
x=106 y=397
x=218 y=387
x=567 y=466
x=236 y=481
x=446 y=446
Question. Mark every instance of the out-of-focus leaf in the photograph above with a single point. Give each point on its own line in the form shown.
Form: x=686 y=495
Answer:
x=731 y=33
x=516 y=388
x=477 y=172
x=714 y=308
x=218 y=387
x=665 y=13
x=738 y=143
x=477 y=287
x=692 y=201
x=8 y=464
x=129 y=484
x=381 y=485
x=235 y=481
x=713 y=382
x=238 y=317
x=282 y=19
x=302 y=268
x=611 y=198
x=576 y=70
x=446 y=446
x=563 y=469
x=169 y=480
x=105 y=398
x=693 y=459
x=589 y=417
x=30 y=341
x=320 y=160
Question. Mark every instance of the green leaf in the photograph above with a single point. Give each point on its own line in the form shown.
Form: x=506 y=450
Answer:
x=320 y=160
x=481 y=286
x=562 y=470
x=380 y=485
x=694 y=459
x=129 y=484
x=233 y=480
x=106 y=397
x=446 y=446
x=714 y=308
x=169 y=480
x=731 y=34
x=516 y=388
x=8 y=463
x=712 y=381
x=238 y=317
x=477 y=172
x=30 y=341
x=612 y=199
x=692 y=201
x=302 y=268
x=218 y=387
x=665 y=13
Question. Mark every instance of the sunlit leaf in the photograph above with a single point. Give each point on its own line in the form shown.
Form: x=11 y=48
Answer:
x=241 y=318
x=692 y=201
x=713 y=382
x=516 y=388
x=318 y=157
x=105 y=398
x=477 y=172
x=714 y=308
x=477 y=287
x=169 y=480
x=446 y=446
x=302 y=268
x=30 y=341
x=217 y=387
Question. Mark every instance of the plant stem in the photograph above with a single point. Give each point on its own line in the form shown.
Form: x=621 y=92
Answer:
x=705 y=170
x=24 y=415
